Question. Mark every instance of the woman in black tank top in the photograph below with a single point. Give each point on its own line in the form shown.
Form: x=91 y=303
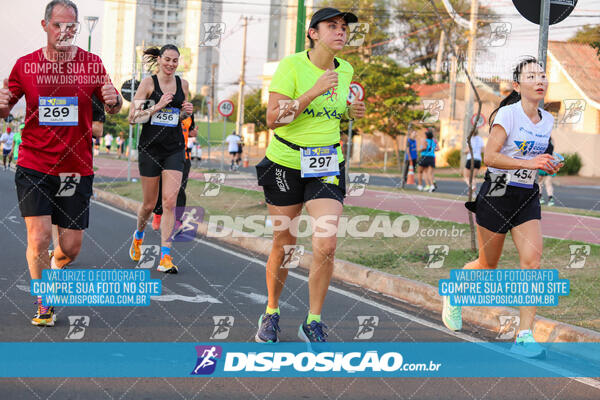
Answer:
x=160 y=104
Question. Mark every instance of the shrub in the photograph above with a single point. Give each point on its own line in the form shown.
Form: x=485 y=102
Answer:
x=572 y=164
x=454 y=158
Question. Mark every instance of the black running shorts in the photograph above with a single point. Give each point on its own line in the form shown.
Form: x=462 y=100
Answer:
x=285 y=187
x=152 y=165
x=67 y=201
x=502 y=213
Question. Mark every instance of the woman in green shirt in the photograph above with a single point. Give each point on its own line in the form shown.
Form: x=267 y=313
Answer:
x=304 y=164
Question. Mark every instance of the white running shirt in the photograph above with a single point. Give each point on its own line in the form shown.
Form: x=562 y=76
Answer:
x=525 y=140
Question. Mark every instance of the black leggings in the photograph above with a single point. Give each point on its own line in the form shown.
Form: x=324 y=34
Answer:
x=181 y=198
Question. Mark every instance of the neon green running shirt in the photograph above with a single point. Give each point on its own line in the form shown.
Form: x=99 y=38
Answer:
x=319 y=123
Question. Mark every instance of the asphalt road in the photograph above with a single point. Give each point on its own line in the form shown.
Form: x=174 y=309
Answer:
x=215 y=280
x=583 y=197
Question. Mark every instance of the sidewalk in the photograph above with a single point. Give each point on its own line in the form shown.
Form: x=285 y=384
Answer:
x=554 y=224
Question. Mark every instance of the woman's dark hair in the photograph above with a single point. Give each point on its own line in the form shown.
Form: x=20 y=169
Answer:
x=514 y=96
x=152 y=53
x=550 y=148
x=429 y=134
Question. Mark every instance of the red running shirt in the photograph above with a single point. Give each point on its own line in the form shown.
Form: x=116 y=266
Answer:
x=57 y=137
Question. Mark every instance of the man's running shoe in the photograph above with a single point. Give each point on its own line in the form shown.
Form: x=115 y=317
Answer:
x=451 y=315
x=268 y=326
x=551 y=202
x=166 y=265
x=312 y=332
x=542 y=201
x=44 y=315
x=156 y=221
x=526 y=346
x=135 y=251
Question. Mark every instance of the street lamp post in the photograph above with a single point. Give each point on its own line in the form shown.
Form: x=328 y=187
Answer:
x=91 y=24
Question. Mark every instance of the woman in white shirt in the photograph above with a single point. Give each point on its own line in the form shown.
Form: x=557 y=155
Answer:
x=508 y=200
x=477 y=145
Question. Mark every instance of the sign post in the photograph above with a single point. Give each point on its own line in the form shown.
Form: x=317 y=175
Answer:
x=128 y=92
x=225 y=108
x=357 y=92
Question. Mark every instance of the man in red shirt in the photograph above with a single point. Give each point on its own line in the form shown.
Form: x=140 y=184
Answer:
x=54 y=170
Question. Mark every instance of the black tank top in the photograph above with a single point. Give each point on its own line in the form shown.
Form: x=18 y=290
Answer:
x=161 y=140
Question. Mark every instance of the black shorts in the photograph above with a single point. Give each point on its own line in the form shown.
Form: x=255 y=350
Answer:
x=502 y=213
x=476 y=166
x=6 y=152
x=108 y=147
x=285 y=187
x=37 y=195
x=427 y=161
x=151 y=165
x=233 y=153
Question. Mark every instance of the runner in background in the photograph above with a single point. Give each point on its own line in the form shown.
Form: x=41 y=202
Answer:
x=427 y=160
x=108 y=139
x=519 y=135
x=188 y=127
x=7 y=140
x=56 y=140
x=233 y=142
x=410 y=153
x=17 y=143
x=477 y=145
x=545 y=180
x=161 y=146
x=238 y=158
x=119 y=140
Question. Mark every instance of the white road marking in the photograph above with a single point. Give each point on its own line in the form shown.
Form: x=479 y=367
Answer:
x=540 y=364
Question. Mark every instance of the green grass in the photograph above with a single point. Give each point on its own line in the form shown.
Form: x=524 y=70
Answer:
x=408 y=256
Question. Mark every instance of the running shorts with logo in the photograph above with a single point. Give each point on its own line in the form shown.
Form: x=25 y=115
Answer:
x=62 y=197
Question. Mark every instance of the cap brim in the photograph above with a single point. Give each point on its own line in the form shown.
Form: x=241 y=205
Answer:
x=348 y=17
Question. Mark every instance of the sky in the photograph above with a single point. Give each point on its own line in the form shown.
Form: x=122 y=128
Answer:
x=23 y=34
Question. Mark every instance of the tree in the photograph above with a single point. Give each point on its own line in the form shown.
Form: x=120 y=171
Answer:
x=116 y=123
x=420 y=30
x=587 y=34
x=390 y=100
x=254 y=111
x=199 y=104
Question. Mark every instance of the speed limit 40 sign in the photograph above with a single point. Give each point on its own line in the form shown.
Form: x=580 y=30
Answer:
x=225 y=108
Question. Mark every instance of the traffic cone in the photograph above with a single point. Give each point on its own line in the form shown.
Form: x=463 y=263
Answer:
x=410 y=178
x=246 y=162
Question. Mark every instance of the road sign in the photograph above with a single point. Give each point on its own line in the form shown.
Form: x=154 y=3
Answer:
x=126 y=89
x=225 y=108
x=559 y=9
x=357 y=91
x=481 y=122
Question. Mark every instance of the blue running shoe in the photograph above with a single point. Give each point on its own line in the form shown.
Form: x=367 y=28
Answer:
x=526 y=346
x=268 y=326
x=312 y=332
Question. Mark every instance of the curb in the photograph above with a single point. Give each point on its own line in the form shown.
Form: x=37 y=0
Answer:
x=406 y=290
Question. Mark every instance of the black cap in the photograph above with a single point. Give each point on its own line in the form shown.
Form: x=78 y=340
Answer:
x=329 y=12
